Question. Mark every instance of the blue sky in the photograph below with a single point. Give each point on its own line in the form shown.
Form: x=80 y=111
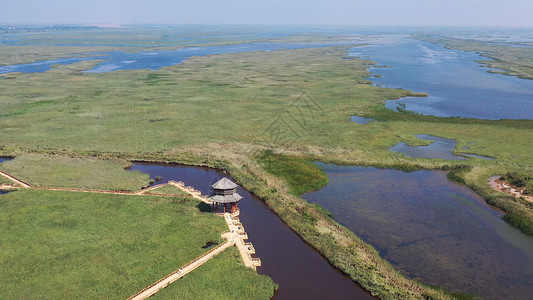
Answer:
x=499 y=13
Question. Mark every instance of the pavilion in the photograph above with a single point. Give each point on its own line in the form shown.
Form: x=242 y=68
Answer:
x=225 y=192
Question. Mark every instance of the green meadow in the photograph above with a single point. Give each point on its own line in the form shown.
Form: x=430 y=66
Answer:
x=263 y=116
x=221 y=278
x=59 y=245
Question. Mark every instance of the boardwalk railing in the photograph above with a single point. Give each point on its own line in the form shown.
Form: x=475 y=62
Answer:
x=25 y=184
x=178 y=270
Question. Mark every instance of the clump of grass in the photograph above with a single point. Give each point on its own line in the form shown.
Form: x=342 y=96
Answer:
x=301 y=174
x=519 y=221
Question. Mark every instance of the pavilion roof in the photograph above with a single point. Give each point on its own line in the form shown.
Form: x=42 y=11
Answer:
x=224 y=184
x=226 y=198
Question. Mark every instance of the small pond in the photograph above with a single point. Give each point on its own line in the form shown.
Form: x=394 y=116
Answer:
x=431 y=229
x=440 y=148
x=361 y=120
x=2 y=159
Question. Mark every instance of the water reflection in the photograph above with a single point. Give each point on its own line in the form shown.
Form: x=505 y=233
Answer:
x=361 y=120
x=440 y=148
x=300 y=271
x=154 y=60
x=456 y=83
x=431 y=229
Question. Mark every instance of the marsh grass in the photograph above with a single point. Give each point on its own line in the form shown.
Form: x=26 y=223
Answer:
x=215 y=111
x=58 y=245
x=301 y=174
x=223 y=277
x=65 y=171
x=167 y=189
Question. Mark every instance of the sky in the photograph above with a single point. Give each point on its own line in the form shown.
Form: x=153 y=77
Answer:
x=494 y=13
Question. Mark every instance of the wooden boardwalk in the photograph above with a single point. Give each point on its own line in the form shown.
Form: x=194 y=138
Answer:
x=237 y=233
x=234 y=236
x=184 y=270
x=15 y=180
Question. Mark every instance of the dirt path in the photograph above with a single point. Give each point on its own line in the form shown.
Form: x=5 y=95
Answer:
x=502 y=186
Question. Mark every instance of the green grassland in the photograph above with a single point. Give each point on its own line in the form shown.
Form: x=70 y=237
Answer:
x=226 y=110
x=64 y=171
x=59 y=245
x=512 y=61
x=301 y=175
x=30 y=44
x=167 y=189
x=220 y=278
x=4 y=180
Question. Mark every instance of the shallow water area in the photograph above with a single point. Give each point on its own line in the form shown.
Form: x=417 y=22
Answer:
x=154 y=60
x=440 y=148
x=457 y=85
x=361 y=120
x=2 y=159
x=431 y=229
x=300 y=271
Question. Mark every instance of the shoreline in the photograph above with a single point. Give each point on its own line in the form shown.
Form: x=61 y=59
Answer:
x=503 y=186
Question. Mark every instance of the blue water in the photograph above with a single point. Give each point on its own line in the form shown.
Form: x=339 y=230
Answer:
x=361 y=120
x=457 y=85
x=154 y=60
x=431 y=229
x=440 y=148
x=2 y=159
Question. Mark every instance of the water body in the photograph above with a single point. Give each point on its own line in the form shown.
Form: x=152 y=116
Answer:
x=440 y=148
x=457 y=85
x=361 y=120
x=431 y=229
x=300 y=271
x=154 y=60
x=2 y=159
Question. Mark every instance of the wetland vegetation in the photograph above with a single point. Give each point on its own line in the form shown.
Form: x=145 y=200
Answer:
x=262 y=116
x=83 y=245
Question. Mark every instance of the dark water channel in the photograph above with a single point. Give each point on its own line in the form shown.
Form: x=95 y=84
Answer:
x=300 y=271
x=431 y=229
